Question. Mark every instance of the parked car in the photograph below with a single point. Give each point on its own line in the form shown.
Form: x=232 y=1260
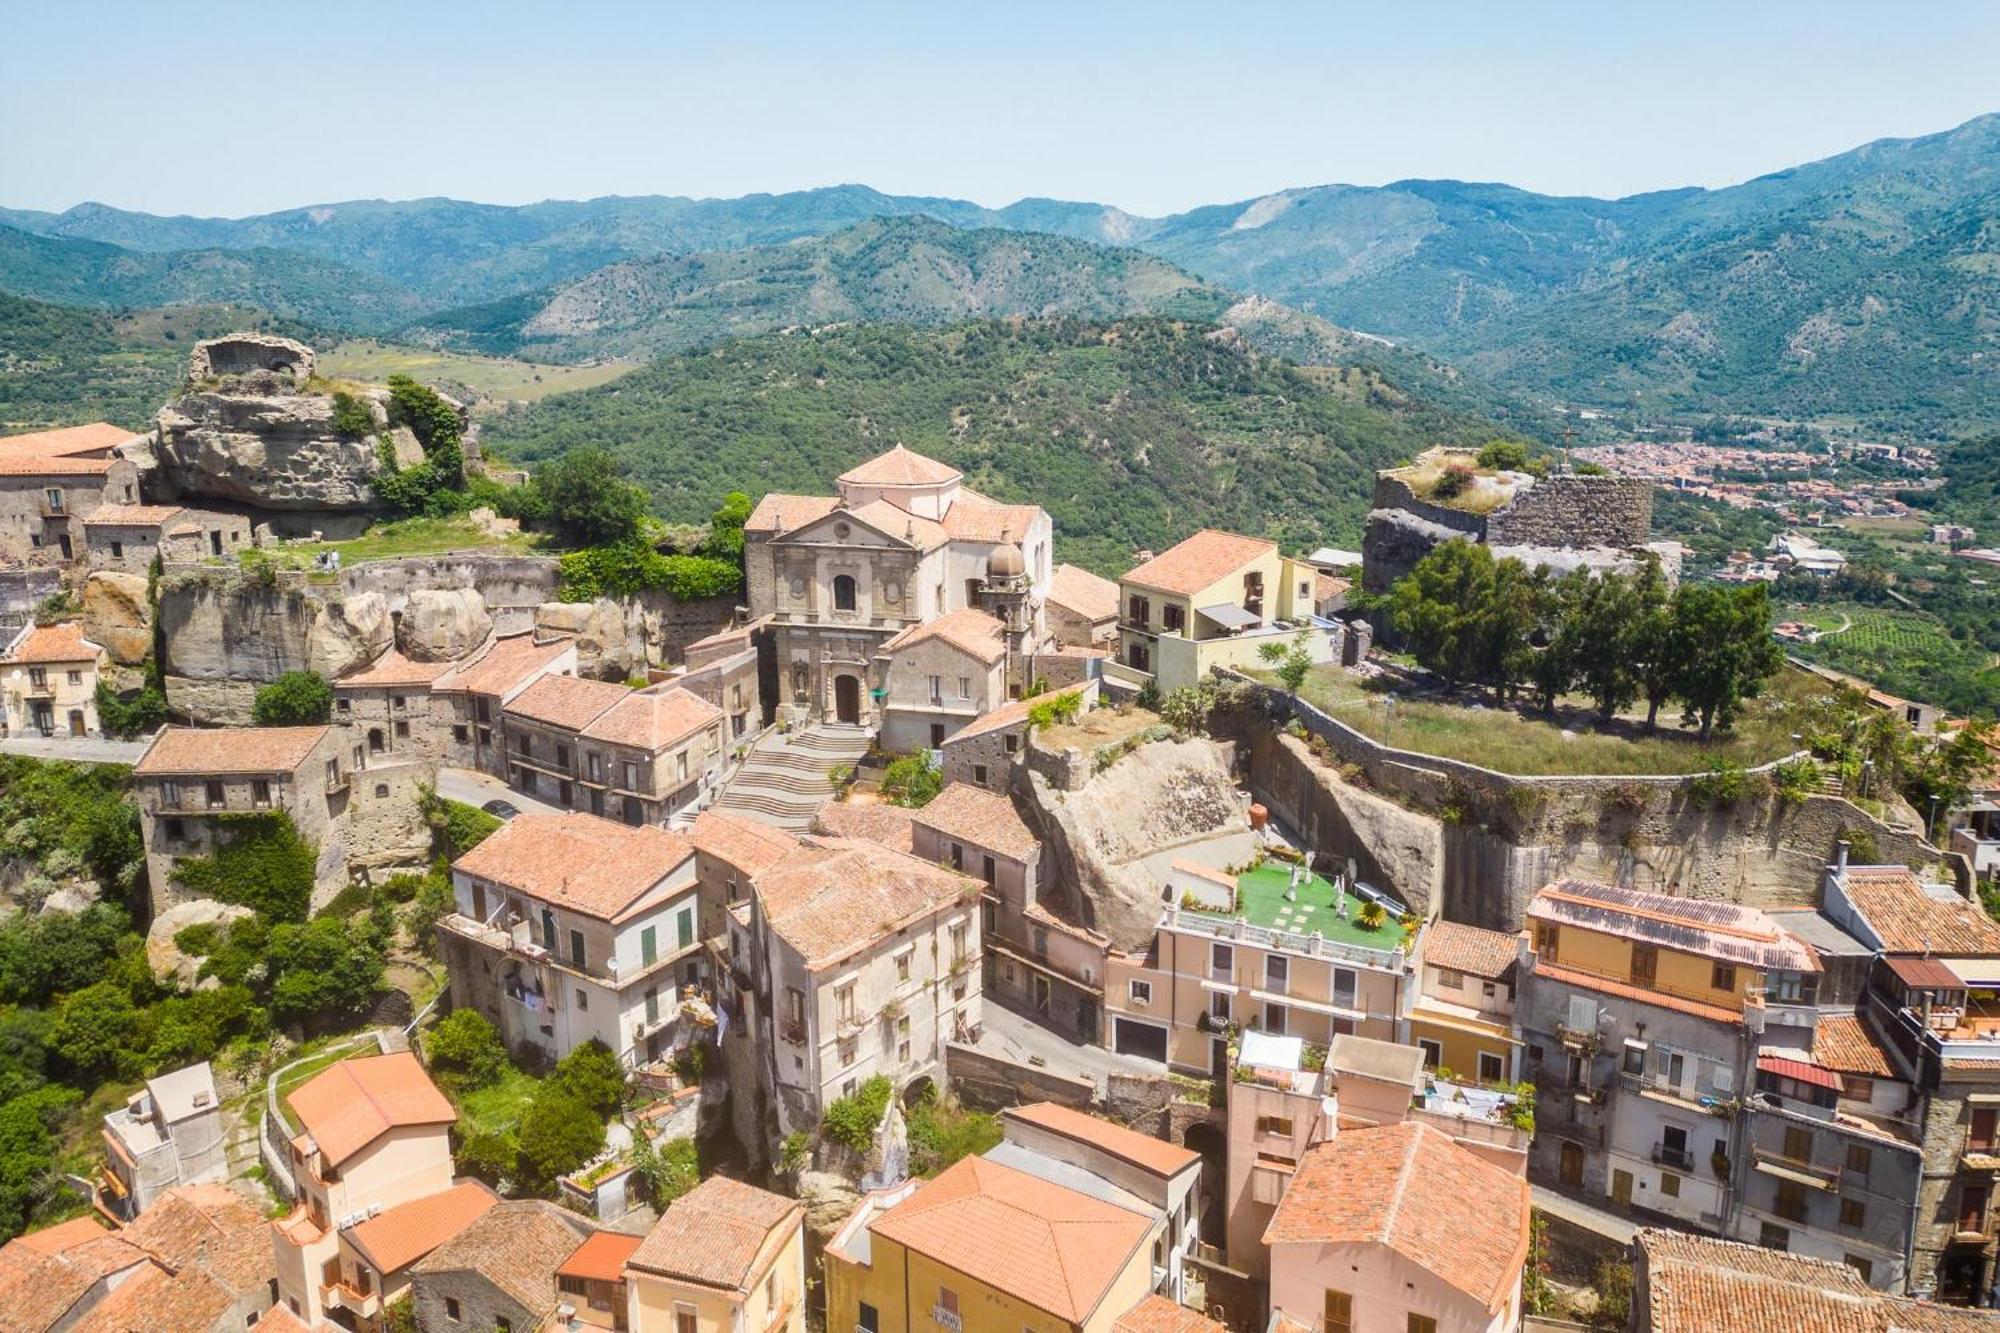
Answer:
x=502 y=810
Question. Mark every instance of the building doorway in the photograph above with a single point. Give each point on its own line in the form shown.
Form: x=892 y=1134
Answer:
x=76 y=722
x=1571 y=1170
x=847 y=698
x=1621 y=1188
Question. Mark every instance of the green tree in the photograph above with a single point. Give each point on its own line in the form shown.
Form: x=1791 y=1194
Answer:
x=911 y=780
x=1504 y=455
x=325 y=968
x=558 y=1134
x=29 y=1151
x=1554 y=665
x=589 y=501
x=725 y=528
x=1720 y=650
x=1438 y=608
x=95 y=1032
x=1605 y=625
x=295 y=699
x=464 y=1052
x=1650 y=639
x=591 y=1074
x=487 y=1155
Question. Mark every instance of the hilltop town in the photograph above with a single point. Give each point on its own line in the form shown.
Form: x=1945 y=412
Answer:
x=440 y=895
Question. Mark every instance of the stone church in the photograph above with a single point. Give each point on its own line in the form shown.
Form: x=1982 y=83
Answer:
x=903 y=543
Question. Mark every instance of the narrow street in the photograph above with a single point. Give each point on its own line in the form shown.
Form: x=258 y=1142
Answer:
x=1009 y=1035
x=78 y=749
x=475 y=788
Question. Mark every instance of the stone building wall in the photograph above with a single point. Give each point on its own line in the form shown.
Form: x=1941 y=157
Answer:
x=480 y=1304
x=1576 y=511
x=385 y=829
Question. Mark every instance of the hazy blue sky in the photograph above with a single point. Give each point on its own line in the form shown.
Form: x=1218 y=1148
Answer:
x=228 y=109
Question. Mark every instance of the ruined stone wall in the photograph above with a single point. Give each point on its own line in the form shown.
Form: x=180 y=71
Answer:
x=987 y=1082
x=386 y=830
x=510 y=585
x=1576 y=511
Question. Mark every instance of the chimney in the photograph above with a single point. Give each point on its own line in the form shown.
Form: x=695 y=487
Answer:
x=1840 y=856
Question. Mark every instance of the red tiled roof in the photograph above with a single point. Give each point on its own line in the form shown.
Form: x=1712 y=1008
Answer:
x=1158 y=1314
x=30 y=465
x=590 y=865
x=132 y=516
x=922 y=533
x=211 y=1227
x=784 y=513
x=347 y=1106
x=1089 y=595
x=653 y=720
x=1848 y=1043
x=748 y=845
x=974 y=518
x=839 y=895
x=899 y=466
x=893 y=826
x=1154 y=1156
x=503 y=665
x=1800 y=1071
x=43 y=1274
x=51 y=643
x=392 y=668
x=66 y=441
x=1203 y=559
x=713 y=1234
x=1697 y=1284
x=1410 y=1188
x=969 y=630
x=397 y=1237
x=984 y=818
x=1909 y=920
x=569 y=702
x=222 y=751
x=517 y=1245
x=1469 y=949
x=1052 y=1247
x=601 y=1257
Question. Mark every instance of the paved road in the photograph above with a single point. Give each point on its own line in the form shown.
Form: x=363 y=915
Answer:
x=80 y=749
x=1586 y=1215
x=476 y=788
x=1006 y=1033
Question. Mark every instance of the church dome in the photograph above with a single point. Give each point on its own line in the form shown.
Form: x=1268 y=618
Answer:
x=1006 y=562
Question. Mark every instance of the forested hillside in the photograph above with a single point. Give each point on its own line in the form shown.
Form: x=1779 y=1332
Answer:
x=1132 y=433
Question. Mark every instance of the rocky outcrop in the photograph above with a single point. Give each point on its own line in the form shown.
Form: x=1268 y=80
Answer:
x=1157 y=796
x=274 y=451
x=610 y=639
x=223 y=634
x=829 y=1200
x=442 y=624
x=170 y=964
x=117 y=614
x=252 y=359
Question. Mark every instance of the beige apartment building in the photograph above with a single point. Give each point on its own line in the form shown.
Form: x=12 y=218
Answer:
x=1082 y=608
x=127 y=538
x=50 y=481
x=570 y=928
x=193 y=784
x=636 y=756
x=903 y=542
x=1212 y=600
x=48 y=682
x=387 y=715
x=723 y=669
x=476 y=692
x=934 y=678
x=373 y=1141
x=724 y=1258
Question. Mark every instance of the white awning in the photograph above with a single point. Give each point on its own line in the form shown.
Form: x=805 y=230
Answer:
x=1230 y=616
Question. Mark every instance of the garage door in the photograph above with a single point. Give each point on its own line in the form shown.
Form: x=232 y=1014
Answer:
x=1141 y=1039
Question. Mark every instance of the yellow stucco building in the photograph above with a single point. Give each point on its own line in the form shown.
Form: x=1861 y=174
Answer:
x=1463 y=1018
x=986 y=1248
x=724 y=1258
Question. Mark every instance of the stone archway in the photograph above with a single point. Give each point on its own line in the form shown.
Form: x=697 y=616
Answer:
x=847 y=699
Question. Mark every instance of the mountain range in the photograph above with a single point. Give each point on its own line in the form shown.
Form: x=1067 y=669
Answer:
x=1865 y=285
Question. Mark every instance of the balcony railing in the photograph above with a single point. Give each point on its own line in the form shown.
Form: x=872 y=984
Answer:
x=792 y=1031
x=1678 y=1158
x=1583 y=1039
x=950 y=1319
x=1308 y=946
x=1825 y=1177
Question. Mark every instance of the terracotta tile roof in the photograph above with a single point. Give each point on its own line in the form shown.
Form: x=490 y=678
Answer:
x=43 y=1274
x=1158 y=1314
x=214 y=752
x=900 y=467
x=31 y=465
x=156 y=1301
x=392 y=668
x=785 y=513
x=1569 y=976
x=397 y=1237
x=209 y=1227
x=1154 y=1156
x=1802 y=1071
x=1055 y=1248
x=1203 y=559
x=923 y=533
x=601 y=1257
x=1909 y=920
x=1409 y=1187
x=569 y=702
x=347 y=1106
x=1089 y=595
x=748 y=845
x=874 y=821
x=713 y=1234
x=503 y=665
x=1007 y=714
x=653 y=720
x=51 y=643
x=280 y=1319
x=836 y=896
x=595 y=866
x=969 y=630
x=1847 y=1042
x=517 y=1245
x=1469 y=949
x=65 y=441
x=1697 y=1284
x=986 y=818
x=1724 y=931
x=133 y=516
x=974 y=518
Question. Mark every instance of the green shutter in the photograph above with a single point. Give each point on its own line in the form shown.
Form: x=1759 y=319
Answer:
x=649 y=946
x=684 y=927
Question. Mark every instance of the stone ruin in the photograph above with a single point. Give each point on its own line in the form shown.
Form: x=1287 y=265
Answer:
x=261 y=362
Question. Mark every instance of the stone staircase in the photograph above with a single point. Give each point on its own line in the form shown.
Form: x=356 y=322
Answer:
x=783 y=780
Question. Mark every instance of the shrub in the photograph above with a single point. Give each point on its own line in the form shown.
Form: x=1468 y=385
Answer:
x=1371 y=916
x=1861 y=848
x=258 y=567
x=295 y=699
x=353 y=416
x=487 y=1155
x=1723 y=784
x=591 y=1074
x=142 y=714
x=1059 y=711
x=465 y=1052
x=1452 y=482
x=851 y=1120
x=265 y=865
x=911 y=780
x=942 y=1132
x=456 y=827
x=1148 y=697
x=669 y=1169
x=795 y=1153
x=1186 y=709
x=633 y=567
x=1504 y=456
x=1796 y=779
x=558 y=1134
x=433 y=900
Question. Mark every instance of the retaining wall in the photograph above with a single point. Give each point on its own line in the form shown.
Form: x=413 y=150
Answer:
x=990 y=1083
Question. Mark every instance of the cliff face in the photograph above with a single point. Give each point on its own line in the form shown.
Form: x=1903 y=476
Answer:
x=223 y=635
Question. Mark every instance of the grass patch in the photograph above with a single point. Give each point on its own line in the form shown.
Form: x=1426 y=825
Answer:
x=403 y=537
x=1261 y=900
x=498 y=1107
x=1518 y=740
x=502 y=378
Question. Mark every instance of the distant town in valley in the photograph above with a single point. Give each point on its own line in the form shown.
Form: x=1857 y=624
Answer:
x=1414 y=758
